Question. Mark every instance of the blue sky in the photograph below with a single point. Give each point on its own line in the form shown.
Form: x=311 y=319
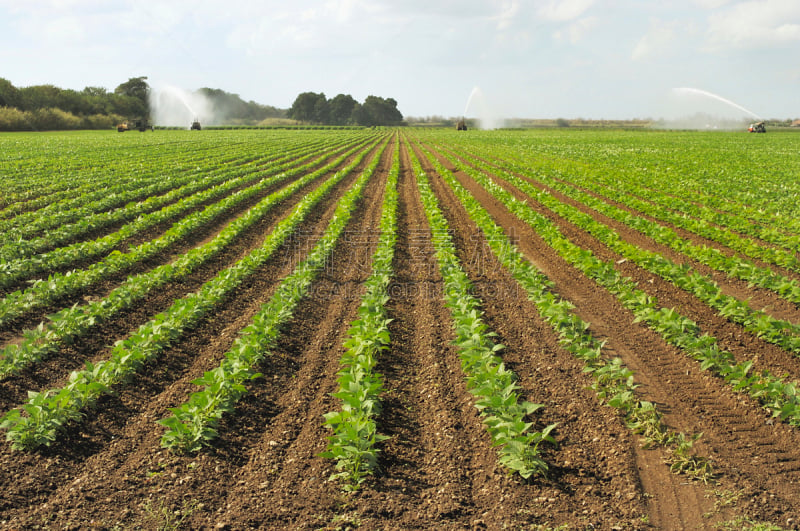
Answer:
x=534 y=59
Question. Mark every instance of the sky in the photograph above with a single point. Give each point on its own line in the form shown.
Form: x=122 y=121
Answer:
x=592 y=59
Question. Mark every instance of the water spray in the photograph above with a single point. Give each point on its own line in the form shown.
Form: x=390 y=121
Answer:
x=699 y=92
x=487 y=118
x=175 y=107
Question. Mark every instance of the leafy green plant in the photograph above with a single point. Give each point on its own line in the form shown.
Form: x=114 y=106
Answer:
x=70 y=323
x=354 y=439
x=193 y=424
x=614 y=383
x=128 y=356
x=496 y=393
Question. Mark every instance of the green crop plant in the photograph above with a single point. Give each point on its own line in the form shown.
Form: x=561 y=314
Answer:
x=494 y=386
x=780 y=397
x=128 y=356
x=193 y=424
x=354 y=439
x=780 y=332
x=613 y=382
x=68 y=324
x=59 y=285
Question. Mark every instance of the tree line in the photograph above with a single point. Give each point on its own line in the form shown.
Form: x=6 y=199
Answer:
x=47 y=107
x=343 y=109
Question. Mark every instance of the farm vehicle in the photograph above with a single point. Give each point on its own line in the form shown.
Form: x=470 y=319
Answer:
x=141 y=125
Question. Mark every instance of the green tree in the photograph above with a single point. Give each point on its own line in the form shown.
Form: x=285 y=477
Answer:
x=38 y=97
x=380 y=111
x=306 y=107
x=341 y=109
x=9 y=94
x=96 y=100
x=136 y=89
x=321 y=110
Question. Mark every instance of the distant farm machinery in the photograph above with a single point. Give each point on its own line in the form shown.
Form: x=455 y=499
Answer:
x=138 y=124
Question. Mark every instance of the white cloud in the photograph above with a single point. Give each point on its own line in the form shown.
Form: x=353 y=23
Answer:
x=575 y=32
x=65 y=29
x=657 y=41
x=508 y=13
x=563 y=10
x=421 y=52
x=755 y=24
x=342 y=9
x=712 y=4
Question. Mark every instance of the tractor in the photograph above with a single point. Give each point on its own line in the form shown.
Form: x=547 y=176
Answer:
x=461 y=125
x=141 y=125
x=195 y=125
x=757 y=127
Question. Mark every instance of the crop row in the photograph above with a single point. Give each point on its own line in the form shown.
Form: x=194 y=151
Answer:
x=207 y=192
x=70 y=323
x=50 y=411
x=96 y=197
x=614 y=383
x=354 y=439
x=59 y=285
x=672 y=191
x=680 y=212
x=193 y=424
x=35 y=165
x=780 y=397
x=68 y=171
x=731 y=173
x=140 y=215
x=494 y=386
x=777 y=331
x=732 y=265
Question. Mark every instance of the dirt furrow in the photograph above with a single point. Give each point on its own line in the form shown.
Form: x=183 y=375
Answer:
x=93 y=346
x=743 y=345
x=120 y=434
x=665 y=375
x=203 y=234
x=293 y=488
x=595 y=461
x=436 y=463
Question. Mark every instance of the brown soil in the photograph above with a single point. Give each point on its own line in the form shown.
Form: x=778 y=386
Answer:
x=752 y=454
x=438 y=469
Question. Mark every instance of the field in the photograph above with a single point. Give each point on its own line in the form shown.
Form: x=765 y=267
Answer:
x=400 y=329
